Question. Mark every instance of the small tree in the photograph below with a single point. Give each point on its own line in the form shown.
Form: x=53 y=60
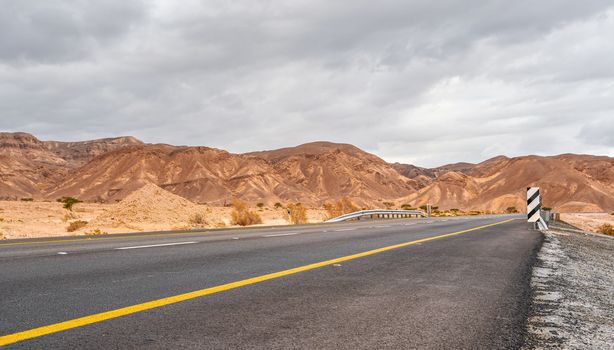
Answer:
x=297 y=213
x=69 y=202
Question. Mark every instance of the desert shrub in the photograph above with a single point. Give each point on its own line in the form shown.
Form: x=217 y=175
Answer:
x=75 y=225
x=2 y=236
x=197 y=220
x=606 y=229
x=95 y=232
x=342 y=206
x=407 y=207
x=260 y=205
x=278 y=205
x=1 y=219
x=242 y=216
x=388 y=205
x=297 y=213
x=69 y=202
x=423 y=207
x=27 y=199
x=511 y=210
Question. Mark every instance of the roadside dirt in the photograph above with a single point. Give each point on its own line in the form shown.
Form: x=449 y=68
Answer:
x=573 y=293
x=148 y=209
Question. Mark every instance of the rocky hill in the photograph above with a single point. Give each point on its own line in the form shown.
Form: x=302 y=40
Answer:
x=108 y=170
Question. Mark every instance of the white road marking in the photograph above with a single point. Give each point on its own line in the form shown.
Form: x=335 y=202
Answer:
x=154 y=245
x=381 y=226
x=235 y=237
x=62 y=253
x=345 y=229
x=282 y=234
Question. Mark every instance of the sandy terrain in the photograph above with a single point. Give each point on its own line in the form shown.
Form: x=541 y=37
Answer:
x=148 y=209
x=588 y=221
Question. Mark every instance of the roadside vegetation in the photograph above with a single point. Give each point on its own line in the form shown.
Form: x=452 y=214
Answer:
x=606 y=229
x=297 y=213
x=95 y=232
x=76 y=225
x=340 y=207
x=511 y=210
x=69 y=202
x=242 y=216
x=197 y=220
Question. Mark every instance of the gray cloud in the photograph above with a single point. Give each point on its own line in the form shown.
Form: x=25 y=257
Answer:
x=410 y=81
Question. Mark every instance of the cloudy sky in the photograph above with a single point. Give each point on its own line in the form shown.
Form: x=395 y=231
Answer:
x=424 y=82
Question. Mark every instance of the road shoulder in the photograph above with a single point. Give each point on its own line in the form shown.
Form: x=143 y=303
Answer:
x=573 y=293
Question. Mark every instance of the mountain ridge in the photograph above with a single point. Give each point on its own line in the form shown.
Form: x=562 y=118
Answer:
x=109 y=169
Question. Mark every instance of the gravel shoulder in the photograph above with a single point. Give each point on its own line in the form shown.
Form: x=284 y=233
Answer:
x=572 y=293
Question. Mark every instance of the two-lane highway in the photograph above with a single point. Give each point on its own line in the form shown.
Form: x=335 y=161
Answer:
x=415 y=283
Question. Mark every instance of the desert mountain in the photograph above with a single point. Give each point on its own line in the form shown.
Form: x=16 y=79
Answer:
x=311 y=173
x=111 y=169
x=28 y=166
x=330 y=170
x=568 y=183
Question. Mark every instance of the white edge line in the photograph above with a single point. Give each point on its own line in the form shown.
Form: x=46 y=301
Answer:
x=154 y=245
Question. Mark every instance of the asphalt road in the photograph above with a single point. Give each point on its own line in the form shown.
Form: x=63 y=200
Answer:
x=468 y=290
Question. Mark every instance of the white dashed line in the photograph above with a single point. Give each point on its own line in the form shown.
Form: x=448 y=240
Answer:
x=62 y=253
x=345 y=229
x=154 y=245
x=282 y=234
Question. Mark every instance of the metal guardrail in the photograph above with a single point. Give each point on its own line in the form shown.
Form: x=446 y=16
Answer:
x=379 y=212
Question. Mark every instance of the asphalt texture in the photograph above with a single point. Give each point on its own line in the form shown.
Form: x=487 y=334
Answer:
x=468 y=291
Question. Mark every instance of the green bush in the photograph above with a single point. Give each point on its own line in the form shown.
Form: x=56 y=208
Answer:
x=69 y=202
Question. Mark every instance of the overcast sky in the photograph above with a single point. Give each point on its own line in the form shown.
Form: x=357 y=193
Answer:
x=422 y=82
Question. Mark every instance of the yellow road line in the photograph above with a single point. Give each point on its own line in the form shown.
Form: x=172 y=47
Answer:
x=83 y=321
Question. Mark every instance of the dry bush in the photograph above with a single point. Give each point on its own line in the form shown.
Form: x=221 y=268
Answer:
x=197 y=220
x=75 y=225
x=279 y=206
x=342 y=206
x=69 y=216
x=297 y=213
x=95 y=232
x=606 y=229
x=242 y=216
x=2 y=236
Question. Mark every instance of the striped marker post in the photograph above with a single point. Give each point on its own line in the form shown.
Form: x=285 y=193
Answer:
x=534 y=206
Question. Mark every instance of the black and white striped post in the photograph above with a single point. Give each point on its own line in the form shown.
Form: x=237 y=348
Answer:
x=534 y=205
